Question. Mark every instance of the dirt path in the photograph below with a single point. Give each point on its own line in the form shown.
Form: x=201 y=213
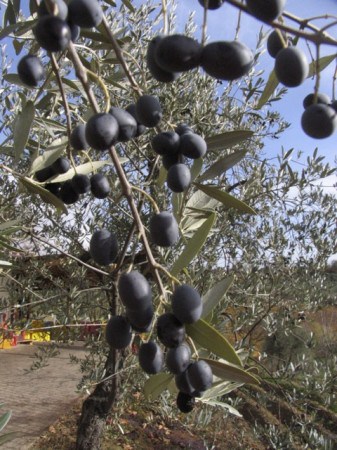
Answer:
x=36 y=399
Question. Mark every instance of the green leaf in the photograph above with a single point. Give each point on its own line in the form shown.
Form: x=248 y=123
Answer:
x=269 y=89
x=196 y=168
x=129 y=5
x=4 y=419
x=208 y=337
x=223 y=164
x=228 y=139
x=6 y=244
x=193 y=246
x=223 y=405
x=322 y=63
x=46 y=196
x=5 y=263
x=156 y=384
x=201 y=201
x=161 y=177
x=83 y=169
x=214 y=296
x=49 y=156
x=22 y=127
x=13 y=78
x=231 y=372
x=19 y=26
x=8 y=437
x=8 y=224
x=226 y=199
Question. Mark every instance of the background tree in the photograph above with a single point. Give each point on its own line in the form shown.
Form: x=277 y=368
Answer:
x=276 y=255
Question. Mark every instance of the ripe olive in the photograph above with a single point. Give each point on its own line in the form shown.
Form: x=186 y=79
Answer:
x=166 y=143
x=101 y=131
x=266 y=10
x=126 y=123
x=291 y=66
x=148 y=110
x=226 y=60
x=52 y=33
x=156 y=71
x=186 y=304
x=68 y=194
x=319 y=121
x=31 y=70
x=118 y=332
x=85 y=13
x=178 y=358
x=178 y=177
x=100 y=187
x=185 y=402
x=170 y=331
x=134 y=291
x=103 y=247
x=164 y=230
x=151 y=357
x=177 y=53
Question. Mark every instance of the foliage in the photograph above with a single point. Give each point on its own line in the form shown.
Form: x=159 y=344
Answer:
x=253 y=241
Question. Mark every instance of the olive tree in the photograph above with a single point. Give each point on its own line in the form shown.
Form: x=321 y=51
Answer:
x=233 y=210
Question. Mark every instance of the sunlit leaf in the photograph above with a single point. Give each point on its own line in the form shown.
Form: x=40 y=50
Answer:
x=223 y=164
x=7 y=437
x=196 y=168
x=214 y=296
x=226 y=199
x=22 y=127
x=83 y=169
x=49 y=156
x=269 y=89
x=46 y=196
x=227 y=139
x=231 y=372
x=223 y=405
x=193 y=246
x=8 y=224
x=208 y=337
x=323 y=62
x=4 y=419
x=156 y=384
x=5 y=263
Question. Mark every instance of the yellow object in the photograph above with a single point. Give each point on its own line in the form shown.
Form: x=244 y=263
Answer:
x=40 y=336
x=6 y=343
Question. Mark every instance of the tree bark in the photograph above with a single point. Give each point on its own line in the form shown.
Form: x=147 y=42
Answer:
x=97 y=406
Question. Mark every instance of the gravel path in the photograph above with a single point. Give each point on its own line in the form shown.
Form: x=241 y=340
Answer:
x=38 y=398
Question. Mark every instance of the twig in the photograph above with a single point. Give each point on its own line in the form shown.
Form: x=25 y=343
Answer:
x=317 y=37
x=119 y=54
x=33 y=236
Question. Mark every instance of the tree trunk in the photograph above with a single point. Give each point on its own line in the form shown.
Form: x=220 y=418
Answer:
x=97 y=406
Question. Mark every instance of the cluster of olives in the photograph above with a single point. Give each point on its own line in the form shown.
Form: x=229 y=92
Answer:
x=173 y=146
x=192 y=378
x=55 y=31
x=69 y=191
x=319 y=119
x=118 y=125
x=168 y=56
